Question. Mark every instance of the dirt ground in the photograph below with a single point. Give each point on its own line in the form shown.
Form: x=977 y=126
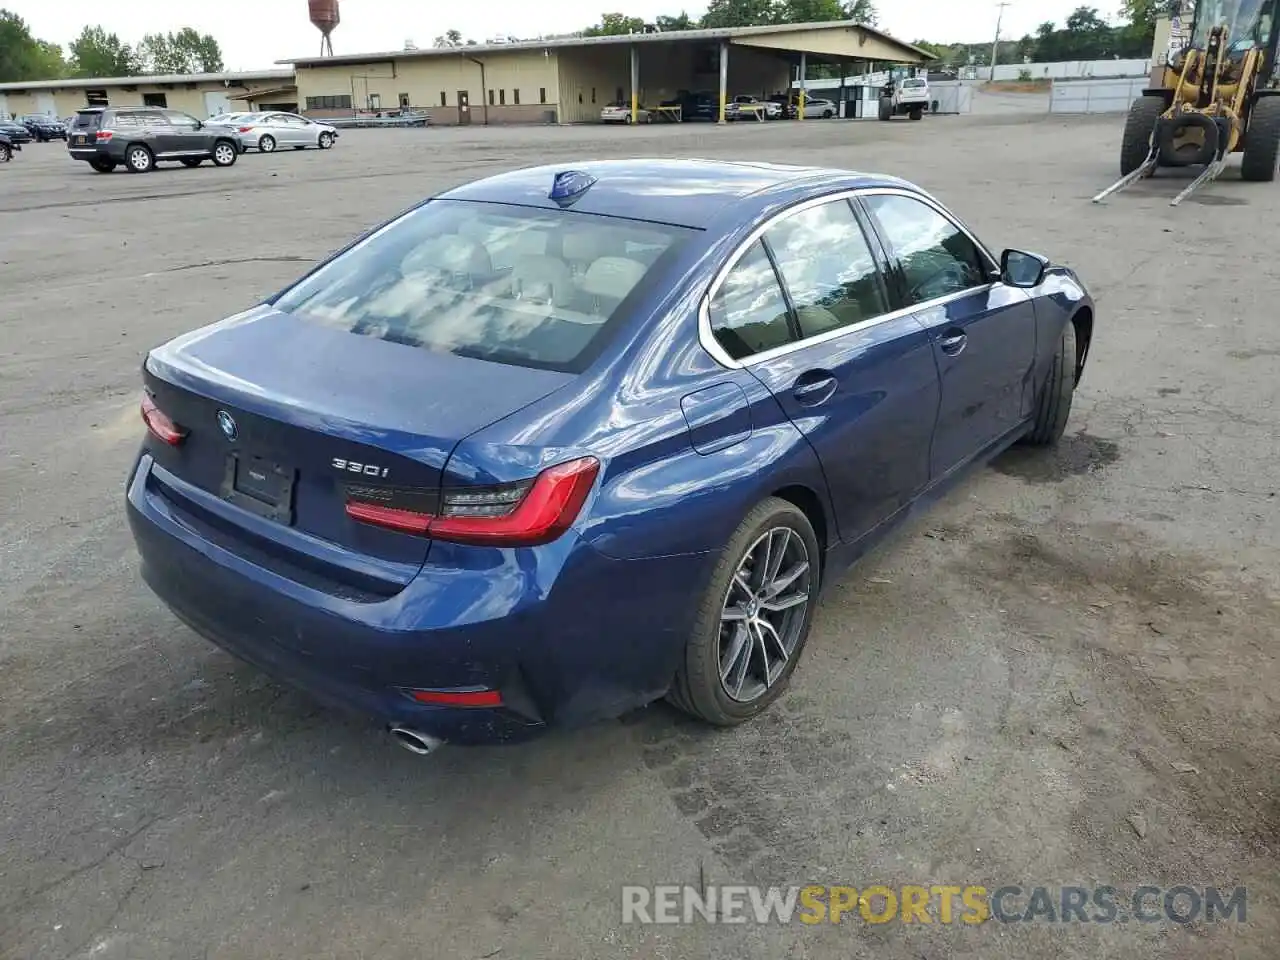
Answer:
x=1064 y=674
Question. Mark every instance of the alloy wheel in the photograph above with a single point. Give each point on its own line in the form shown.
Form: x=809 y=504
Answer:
x=140 y=159
x=763 y=614
x=224 y=154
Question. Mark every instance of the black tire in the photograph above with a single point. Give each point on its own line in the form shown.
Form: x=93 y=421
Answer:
x=102 y=164
x=1139 y=125
x=1055 y=396
x=827 y=114
x=1262 y=142
x=224 y=153
x=916 y=113
x=697 y=688
x=266 y=143
x=886 y=108
x=192 y=161
x=5 y=153
x=326 y=140
x=139 y=159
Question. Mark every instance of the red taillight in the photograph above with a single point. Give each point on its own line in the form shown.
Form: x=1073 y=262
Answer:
x=458 y=698
x=104 y=135
x=522 y=514
x=159 y=424
x=406 y=521
x=245 y=129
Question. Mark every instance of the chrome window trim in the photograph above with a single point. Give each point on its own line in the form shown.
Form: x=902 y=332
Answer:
x=706 y=337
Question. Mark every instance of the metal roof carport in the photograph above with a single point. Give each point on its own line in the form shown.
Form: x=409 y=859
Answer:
x=577 y=75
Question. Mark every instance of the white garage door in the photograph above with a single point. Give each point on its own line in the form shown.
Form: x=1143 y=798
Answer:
x=45 y=104
x=215 y=103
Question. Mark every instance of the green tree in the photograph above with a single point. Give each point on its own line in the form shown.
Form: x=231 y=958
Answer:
x=96 y=53
x=809 y=11
x=203 y=49
x=666 y=23
x=183 y=52
x=615 y=24
x=22 y=56
x=740 y=13
x=450 y=38
x=862 y=11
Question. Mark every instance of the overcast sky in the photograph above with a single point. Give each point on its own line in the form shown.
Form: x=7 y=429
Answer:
x=255 y=33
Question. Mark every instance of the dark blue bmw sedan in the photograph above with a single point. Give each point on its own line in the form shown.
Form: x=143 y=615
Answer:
x=558 y=443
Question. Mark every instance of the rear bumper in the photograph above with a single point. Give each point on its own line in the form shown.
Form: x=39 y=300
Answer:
x=568 y=635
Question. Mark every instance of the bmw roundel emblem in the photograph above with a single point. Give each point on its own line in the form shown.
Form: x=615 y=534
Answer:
x=227 y=425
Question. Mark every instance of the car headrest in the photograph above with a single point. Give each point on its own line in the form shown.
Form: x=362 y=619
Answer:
x=542 y=279
x=612 y=277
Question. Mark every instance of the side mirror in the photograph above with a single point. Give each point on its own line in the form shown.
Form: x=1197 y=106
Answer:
x=199 y=125
x=1021 y=269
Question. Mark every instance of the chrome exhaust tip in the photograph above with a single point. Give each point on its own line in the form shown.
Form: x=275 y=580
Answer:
x=415 y=741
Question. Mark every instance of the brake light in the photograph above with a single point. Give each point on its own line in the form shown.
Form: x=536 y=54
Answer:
x=104 y=135
x=526 y=513
x=158 y=422
x=245 y=129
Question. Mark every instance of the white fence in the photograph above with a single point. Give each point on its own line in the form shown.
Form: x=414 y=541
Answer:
x=1070 y=70
x=1095 y=96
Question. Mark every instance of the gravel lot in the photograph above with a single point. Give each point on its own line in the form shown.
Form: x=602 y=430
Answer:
x=1064 y=674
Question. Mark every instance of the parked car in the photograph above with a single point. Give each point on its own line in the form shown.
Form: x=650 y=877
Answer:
x=141 y=137
x=745 y=106
x=7 y=148
x=15 y=131
x=556 y=443
x=819 y=108
x=267 y=131
x=620 y=112
x=907 y=97
x=44 y=128
x=695 y=106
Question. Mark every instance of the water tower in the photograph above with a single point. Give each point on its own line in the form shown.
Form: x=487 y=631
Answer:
x=324 y=14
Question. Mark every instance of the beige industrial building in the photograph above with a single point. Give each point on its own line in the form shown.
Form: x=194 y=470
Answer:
x=565 y=80
x=199 y=94
x=569 y=80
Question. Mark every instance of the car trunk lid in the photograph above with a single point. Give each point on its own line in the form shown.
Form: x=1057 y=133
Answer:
x=286 y=420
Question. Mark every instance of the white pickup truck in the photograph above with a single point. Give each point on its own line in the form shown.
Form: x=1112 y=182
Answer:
x=909 y=96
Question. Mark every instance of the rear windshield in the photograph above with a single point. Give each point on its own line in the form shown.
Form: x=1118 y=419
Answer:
x=913 y=83
x=88 y=120
x=512 y=284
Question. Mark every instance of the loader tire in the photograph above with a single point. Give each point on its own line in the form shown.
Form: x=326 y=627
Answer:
x=1262 y=141
x=1135 y=145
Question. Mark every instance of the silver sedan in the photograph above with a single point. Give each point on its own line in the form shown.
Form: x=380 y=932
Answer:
x=268 y=132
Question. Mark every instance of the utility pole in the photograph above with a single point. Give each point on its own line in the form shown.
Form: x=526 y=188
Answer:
x=995 y=46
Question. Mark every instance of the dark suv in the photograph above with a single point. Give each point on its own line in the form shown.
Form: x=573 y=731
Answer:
x=141 y=137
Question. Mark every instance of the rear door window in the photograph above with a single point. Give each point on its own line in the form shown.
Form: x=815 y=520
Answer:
x=512 y=284
x=828 y=268
x=749 y=313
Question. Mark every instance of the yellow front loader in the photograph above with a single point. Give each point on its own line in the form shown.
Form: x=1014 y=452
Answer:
x=1218 y=96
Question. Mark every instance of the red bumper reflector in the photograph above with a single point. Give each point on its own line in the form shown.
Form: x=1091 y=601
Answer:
x=458 y=698
x=158 y=422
